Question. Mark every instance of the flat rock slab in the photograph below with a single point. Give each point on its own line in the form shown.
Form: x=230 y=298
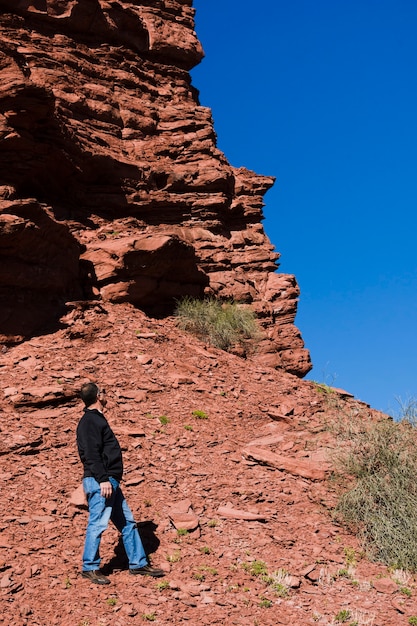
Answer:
x=298 y=467
x=231 y=513
x=385 y=585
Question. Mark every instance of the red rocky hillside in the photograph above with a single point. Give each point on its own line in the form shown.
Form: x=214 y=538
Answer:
x=228 y=472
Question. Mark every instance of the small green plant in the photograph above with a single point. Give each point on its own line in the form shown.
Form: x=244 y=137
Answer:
x=205 y=550
x=267 y=579
x=323 y=388
x=213 y=523
x=256 y=568
x=201 y=415
x=280 y=590
x=265 y=603
x=223 y=324
x=182 y=532
x=174 y=557
x=111 y=601
x=163 y=419
x=210 y=570
x=67 y=582
x=350 y=555
x=406 y=591
x=199 y=576
x=343 y=573
x=162 y=585
x=343 y=616
x=279 y=582
x=149 y=617
x=412 y=620
x=188 y=427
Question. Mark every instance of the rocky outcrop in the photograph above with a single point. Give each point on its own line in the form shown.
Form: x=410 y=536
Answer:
x=109 y=161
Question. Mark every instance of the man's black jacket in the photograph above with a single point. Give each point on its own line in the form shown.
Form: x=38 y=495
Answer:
x=99 y=450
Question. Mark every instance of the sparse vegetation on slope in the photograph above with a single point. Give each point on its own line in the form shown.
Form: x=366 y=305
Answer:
x=382 y=505
x=223 y=324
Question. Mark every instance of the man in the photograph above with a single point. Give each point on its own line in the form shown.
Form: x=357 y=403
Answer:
x=101 y=456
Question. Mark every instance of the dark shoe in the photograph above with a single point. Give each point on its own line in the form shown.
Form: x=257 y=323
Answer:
x=148 y=570
x=96 y=577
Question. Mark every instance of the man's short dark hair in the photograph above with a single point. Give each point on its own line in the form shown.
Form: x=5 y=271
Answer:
x=89 y=393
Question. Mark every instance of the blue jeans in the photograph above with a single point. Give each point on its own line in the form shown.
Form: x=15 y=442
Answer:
x=116 y=509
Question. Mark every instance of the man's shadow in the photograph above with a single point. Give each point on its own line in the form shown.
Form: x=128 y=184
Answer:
x=150 y=544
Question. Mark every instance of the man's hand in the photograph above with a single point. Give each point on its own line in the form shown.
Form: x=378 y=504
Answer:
x=106 y=489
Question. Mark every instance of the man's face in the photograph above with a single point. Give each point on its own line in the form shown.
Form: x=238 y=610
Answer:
x=102 y=397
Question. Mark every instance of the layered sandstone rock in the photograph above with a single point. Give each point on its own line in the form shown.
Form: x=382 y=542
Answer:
x=107 y=157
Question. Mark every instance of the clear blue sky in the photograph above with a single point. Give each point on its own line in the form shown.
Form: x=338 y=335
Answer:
x=323 y=95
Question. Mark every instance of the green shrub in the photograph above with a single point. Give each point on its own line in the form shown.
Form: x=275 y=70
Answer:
x=279 y=582
x=256 y=568
x=212 y=523
x=210 y=570
x=223 y=324
x=343 y=615
x=150 y=617
x=406 y=591
x=381 y=505
x=322 y=387
x=175 y=557
x=162 y=585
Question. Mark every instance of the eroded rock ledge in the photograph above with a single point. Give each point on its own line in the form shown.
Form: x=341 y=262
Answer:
x=111 y=184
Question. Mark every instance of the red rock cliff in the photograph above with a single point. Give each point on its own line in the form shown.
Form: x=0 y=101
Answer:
x=111 y=184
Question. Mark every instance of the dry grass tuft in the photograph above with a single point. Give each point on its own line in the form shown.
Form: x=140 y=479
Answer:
x=224 y=325
x=381 y=457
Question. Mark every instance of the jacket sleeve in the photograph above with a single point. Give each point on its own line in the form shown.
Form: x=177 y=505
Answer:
x=90 y=443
